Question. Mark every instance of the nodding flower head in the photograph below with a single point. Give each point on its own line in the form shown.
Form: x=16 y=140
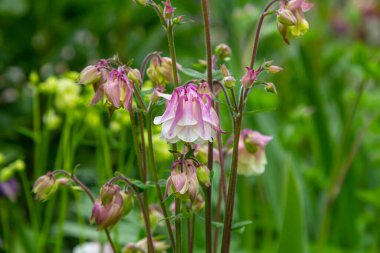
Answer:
x=111 y=206
x=160 y=71
x=252 y=158
x=93 y=73
x=183 y=181
x=189 y=116
x=291 y=21
x=117 y=89
x=45 y=186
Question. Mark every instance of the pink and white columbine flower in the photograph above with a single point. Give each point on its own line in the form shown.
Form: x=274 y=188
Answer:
x=189 y=116
x=252 y=158
x=118 y=89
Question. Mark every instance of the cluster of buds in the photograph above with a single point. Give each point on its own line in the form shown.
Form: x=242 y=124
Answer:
x=252 y=158
x=160 y=70
x=111 y=206
x=291 y=21
x=189 y=116
x=46 y=185
x=183 y=181
x=114 y=84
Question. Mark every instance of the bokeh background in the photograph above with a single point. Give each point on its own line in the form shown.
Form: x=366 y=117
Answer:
x=321 y=188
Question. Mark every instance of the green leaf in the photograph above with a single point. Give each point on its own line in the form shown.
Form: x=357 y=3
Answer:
x=194 y=74
x=293 y=233
x=241 y=224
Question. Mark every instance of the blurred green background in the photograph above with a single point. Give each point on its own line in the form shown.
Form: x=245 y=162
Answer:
x=321 y=188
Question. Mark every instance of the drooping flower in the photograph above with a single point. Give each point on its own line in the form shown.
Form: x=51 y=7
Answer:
x=111 y=206
x=93 y=73
x=291 y=21
x=183 y=181
x=117 y=89
x=252 y=158
x=189 y=116
x=45 y=186
x=160 y=71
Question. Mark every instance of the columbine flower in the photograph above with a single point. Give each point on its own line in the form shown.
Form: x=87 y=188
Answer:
x=45 y=186
x=252 y=159
x=189 y=116
x=183 y=181
x=291 y=21
x=93 y=73
x=111 y=206
x=160 y=70
x=117 y=89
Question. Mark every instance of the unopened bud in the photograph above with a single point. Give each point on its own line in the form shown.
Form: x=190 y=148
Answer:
x=107 y=192
x=229 y=81
x=249 y=78
x=193 y=186
x=177 y=20
x=274 y=69
x=271 y=88
x=224 y=70
x=135 y=76
x=127 y=202
x=141 y=2
x=223 y=51
x=89 y=74
x=203 y=174
x=168 y=9
x=45 y=186
x=286 y=17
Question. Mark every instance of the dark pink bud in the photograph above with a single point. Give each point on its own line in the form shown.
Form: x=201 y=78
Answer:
x=249 y=78
x=168 y=9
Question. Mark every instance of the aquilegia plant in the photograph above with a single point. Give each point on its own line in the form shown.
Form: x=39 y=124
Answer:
x=191 y=124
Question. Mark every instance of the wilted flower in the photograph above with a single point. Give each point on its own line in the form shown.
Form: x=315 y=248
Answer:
x=183 y=181
x=252 y=159
x=45 y=186
x=291 y=21
x=160 y=70
x=118 y=89
x=249 y=78
x=189 y=116
x=111 y=206
x=9 y=189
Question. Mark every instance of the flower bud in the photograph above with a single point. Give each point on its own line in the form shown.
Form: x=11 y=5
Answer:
x=45 y=186
x=141 y=2
x=229 y=81
x=89 y=74
x=177 y=184
x=224 y=70
x=286 y=17
x=203 y=175
x=107 y=192
x=223 y=51
x=168 y=9
x=135 y=76
x=127 y=202
x=193 y=186
x=271 y=88
x=249 y=78
x=177 y=20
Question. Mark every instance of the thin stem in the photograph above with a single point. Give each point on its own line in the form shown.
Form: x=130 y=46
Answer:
x=143 y=154
x=139 y=98
x=258 y=30
x=208 y=191
x=178 y=248
x=144 y=210
x=92 y=198
x=145 y=62
x=155 y=175
x=169 y=31
x=234 y=99
x=233 y=177
x=231 y=109
x=159 y=13
x=136 y=143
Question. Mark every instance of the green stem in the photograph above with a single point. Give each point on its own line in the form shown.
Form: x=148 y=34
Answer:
x=178 y=248
x=169 y=31
x=37 y=131
x=155 y=175
x=136 y=143
x=210 y=160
